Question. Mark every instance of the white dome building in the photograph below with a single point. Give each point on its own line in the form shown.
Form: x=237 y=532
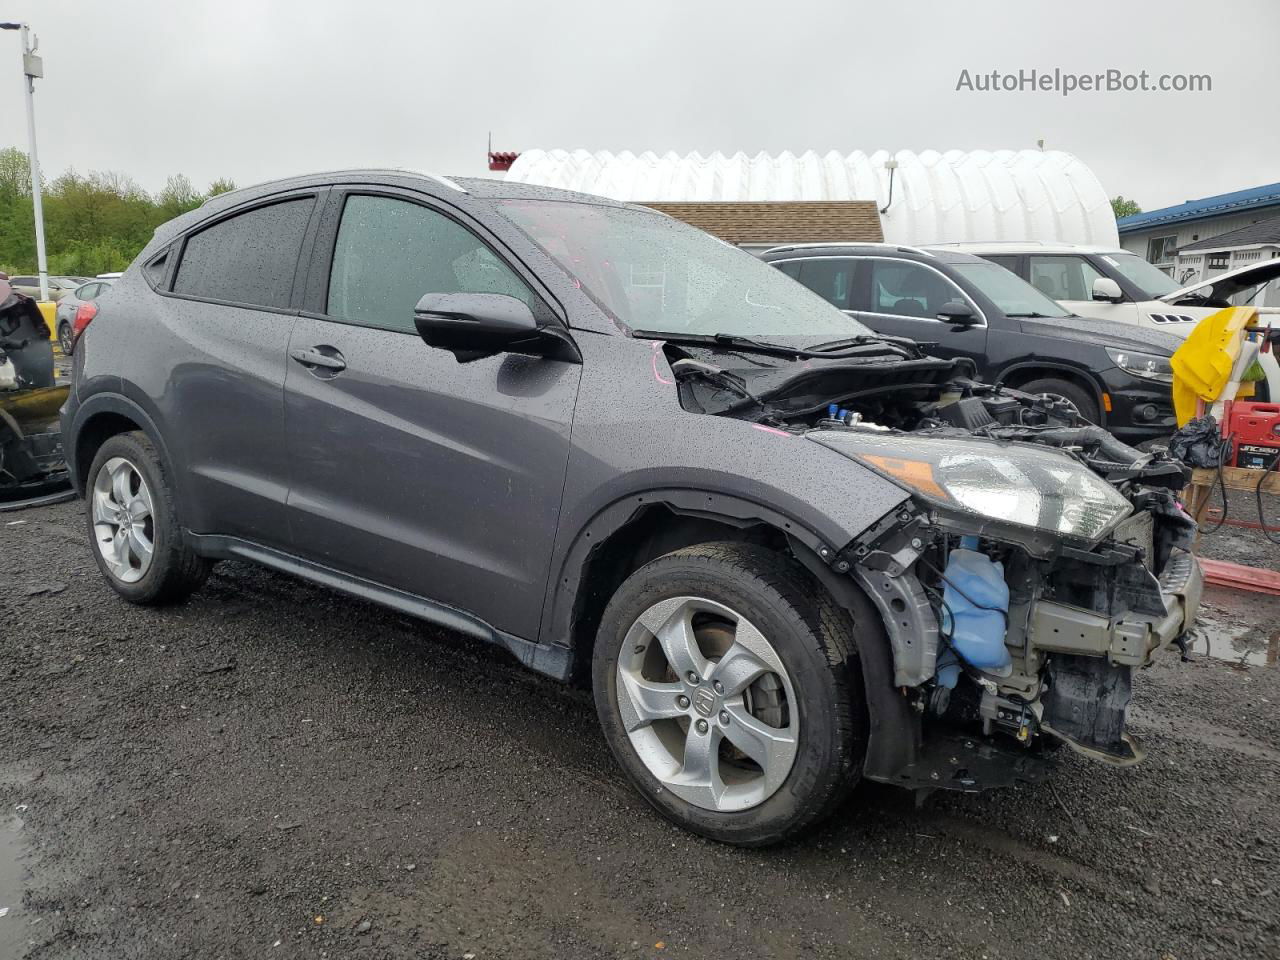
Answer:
x=1044 y=195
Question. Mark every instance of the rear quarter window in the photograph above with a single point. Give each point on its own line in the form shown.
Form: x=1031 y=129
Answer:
x=248 y=258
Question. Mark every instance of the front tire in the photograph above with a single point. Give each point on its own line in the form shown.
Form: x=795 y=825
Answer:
x=134 y=527
x=726 y=687
x=64 y=338
x=1080 y=398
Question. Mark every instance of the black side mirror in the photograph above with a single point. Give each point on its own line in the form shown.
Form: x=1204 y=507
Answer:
x=473 y=326
x=957 y=312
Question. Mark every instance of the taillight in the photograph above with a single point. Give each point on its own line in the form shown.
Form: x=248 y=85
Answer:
x=84 y=313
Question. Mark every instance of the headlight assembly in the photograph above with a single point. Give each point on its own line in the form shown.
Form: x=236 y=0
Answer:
x=1150 y=366
x=1029 y=486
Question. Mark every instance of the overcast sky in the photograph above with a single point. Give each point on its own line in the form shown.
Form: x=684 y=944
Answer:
x=256 y=89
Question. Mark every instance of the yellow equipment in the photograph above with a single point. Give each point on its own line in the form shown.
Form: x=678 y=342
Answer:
x=1204 y=364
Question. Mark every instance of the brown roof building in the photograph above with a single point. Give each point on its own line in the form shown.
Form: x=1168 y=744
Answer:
x=758 y=225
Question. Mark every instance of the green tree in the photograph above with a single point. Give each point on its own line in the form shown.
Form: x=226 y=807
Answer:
x=1124 y=207
x=221 y=185
x=94 y=222
x=15 y=172
x=178 y=196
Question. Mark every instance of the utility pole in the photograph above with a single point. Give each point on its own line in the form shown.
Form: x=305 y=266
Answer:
x=32 y=70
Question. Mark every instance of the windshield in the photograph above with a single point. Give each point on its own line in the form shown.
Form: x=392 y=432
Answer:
x=650 y=272
x=1013 y=295
x=1148 y=278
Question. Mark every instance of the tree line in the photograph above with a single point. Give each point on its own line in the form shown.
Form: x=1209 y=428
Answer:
x=93 y=223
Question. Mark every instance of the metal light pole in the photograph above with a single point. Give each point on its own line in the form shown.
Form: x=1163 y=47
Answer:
x=32 y=70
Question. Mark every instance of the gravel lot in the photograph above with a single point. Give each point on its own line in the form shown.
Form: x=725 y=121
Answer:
x=272 y=770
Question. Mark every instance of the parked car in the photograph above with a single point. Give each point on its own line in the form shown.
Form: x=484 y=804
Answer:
x=69 y=306
x=779 y=547
x=59 y=287
x=964 y=306
x=1120 y=286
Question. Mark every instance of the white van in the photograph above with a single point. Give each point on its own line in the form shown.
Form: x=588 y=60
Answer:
x=1113 y=284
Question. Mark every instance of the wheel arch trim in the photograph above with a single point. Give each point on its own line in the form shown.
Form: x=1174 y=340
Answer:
x=109 y=402
x=568 y=568
x=894 y=732
x=1077 y=373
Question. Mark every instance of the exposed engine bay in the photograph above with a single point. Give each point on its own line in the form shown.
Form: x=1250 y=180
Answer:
x=1038 y=561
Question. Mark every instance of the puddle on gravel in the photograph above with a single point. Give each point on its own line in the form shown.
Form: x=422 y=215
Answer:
x=1238 y=627
x=12 y=920
x=1241 y=643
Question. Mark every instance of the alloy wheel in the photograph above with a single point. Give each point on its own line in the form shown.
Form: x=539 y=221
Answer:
x=707 y=704
x=123 y=521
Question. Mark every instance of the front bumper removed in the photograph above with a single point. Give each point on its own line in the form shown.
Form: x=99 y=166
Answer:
x=1090 y=675
x=1129 y=639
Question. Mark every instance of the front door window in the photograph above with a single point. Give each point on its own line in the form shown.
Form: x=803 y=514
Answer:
x=390 y=252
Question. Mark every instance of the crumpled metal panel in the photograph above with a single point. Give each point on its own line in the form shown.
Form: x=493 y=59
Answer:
x=1046 y=195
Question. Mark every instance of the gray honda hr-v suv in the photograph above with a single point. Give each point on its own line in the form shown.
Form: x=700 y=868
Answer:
x=785 y=552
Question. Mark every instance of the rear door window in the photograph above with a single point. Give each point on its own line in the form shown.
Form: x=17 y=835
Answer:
x=1063 y=278
x=905 y=289
x=830 y=278
x=390 y=252
x=249 y=258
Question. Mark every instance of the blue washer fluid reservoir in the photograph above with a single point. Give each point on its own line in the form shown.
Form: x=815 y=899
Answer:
x=975 y=615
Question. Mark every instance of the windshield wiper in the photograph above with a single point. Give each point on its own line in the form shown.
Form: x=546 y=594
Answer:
x=721 y=340
x=831 y=351
x=1039 y=316
x=861 y=339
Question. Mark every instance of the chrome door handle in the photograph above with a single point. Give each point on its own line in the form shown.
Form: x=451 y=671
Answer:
x=315 y=358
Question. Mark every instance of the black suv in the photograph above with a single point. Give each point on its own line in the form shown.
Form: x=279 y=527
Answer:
x=959 y=305
x=771 y=541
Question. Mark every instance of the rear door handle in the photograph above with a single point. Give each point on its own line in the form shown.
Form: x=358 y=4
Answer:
x=315 y=357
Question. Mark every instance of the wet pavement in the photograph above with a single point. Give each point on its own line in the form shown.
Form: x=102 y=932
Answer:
x=275 y=770
x=13 y=919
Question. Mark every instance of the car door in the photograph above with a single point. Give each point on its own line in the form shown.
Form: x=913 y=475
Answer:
x=439 y=478
x=901 y=298
x=225 y=320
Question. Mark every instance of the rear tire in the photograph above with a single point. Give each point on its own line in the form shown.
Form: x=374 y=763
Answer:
x=64 y=338
x=751 y=613
x=134 y=524
x=1084 y=402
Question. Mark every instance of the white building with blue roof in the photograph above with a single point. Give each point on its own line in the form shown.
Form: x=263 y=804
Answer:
x=1161 y=235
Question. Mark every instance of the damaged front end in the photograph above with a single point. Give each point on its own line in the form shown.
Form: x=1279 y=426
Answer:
x=1035 y=567
x=1038 y=561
